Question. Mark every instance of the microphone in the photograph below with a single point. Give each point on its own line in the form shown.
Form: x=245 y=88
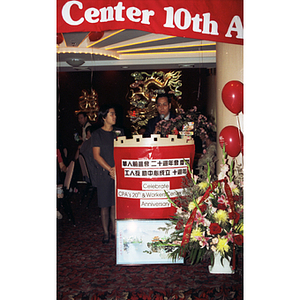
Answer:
x=162 y=117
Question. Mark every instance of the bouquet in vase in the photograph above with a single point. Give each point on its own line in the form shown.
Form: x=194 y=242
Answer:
x=209 y=216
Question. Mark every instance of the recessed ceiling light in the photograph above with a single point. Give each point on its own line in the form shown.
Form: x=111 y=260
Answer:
x=186 y=66
x=75 y=62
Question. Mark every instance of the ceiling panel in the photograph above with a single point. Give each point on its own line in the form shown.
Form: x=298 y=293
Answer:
x=167 y=40
x=120 y=36
x=134 y=49
x=74 y=39
x=171 y=49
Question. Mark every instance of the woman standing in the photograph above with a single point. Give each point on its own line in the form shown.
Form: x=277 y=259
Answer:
x=103 y=152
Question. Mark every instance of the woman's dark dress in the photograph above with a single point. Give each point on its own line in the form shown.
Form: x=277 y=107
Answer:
x=104 y=183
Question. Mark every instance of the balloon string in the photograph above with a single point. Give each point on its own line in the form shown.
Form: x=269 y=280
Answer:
x=199 y=85
x=240 y=137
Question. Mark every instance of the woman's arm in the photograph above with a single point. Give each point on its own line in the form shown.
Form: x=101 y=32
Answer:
x=101 y=161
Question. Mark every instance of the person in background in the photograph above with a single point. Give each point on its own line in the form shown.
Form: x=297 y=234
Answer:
x=84 y=123
x=163 y=106
x=209 y=156
x=86 y=150
x=103 y=152
x=61 y=170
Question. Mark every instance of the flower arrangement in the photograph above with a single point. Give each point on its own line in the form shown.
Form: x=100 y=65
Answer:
x=209 y=217
x=175 y=125
x=117 y=132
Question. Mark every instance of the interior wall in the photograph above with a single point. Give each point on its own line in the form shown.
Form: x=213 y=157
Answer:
x=198 y=89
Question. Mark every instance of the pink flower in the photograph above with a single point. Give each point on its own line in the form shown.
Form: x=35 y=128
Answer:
x=221 y=199
x=199 y=218
x=215 y=241
x=204 y=241
x=195 y=177
x=229 y=236
x=232 y=185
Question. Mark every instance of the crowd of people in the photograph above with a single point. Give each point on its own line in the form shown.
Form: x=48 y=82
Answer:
x=96 y=145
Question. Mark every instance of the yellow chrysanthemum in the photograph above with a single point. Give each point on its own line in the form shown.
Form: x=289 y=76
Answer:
x=236 y=191
x=203 y=185
x=221 y=216
x=192 y=205
x=195 y=233
x=222 y=246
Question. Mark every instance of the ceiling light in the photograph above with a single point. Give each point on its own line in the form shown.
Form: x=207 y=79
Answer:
x=186 y=66
x=75 y=62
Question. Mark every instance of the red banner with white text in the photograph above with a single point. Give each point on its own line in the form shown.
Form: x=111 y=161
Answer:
x=144 y=171
x=214 y=20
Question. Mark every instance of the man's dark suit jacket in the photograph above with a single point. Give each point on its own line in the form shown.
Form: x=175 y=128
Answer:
x=152 y=123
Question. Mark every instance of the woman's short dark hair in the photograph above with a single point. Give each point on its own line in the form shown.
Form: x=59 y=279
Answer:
x=102 y=114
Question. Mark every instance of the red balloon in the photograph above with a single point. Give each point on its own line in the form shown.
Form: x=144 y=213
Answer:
x=95 y=35
x=59 y=38
x=233 y=96
x=233 y=139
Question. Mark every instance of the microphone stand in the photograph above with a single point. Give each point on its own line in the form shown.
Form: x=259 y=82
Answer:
x=162 y=117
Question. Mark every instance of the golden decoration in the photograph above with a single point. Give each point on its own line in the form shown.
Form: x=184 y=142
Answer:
x=88 y=103
x=144 y=91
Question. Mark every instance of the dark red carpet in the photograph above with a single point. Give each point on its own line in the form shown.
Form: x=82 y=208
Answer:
x=86 y=268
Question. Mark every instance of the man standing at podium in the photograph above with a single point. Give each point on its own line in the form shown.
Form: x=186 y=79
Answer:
x=163 y=106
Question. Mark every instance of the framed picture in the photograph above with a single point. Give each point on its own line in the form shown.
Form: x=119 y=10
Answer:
x=143 y=242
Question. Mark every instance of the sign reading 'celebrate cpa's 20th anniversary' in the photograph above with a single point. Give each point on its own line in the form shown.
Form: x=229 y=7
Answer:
x=145 y=170
x=217 y=20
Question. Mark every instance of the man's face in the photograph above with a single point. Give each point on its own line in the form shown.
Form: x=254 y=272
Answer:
x=163 y=106
x=81 y=119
